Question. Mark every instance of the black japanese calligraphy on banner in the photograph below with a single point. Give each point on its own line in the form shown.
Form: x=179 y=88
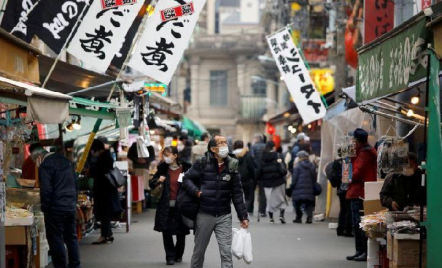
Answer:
x=296 y=76
x=15 y=18
x=165 y=38
x=53 y=20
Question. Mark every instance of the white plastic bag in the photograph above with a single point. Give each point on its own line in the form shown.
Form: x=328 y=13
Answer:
x=141 y=148
x=238 y=242
x=248 y=256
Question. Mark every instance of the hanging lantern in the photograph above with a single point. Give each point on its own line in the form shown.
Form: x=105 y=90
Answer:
x=270 y=128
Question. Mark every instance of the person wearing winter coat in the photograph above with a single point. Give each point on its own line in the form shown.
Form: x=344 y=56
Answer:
x=246 y=169
x=106 y=198
x=403 y=190
x=58 y=194
x=168 y=219
x=214 y=179
x=256 y=152
x=303 y=181
x=271 y=175
x=364 y=170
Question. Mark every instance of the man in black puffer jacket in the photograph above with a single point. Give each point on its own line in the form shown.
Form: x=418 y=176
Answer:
x=58 y=194
x=214 y=179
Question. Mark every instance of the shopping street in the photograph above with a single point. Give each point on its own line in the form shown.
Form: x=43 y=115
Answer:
x=274 y=245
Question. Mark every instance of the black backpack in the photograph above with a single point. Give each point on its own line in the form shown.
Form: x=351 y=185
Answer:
x=334 y=173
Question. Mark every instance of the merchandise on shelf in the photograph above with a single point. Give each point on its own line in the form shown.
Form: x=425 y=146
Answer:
x=392 y=155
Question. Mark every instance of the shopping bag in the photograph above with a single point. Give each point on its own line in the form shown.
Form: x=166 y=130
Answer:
x=248 y=256
x=238 y=242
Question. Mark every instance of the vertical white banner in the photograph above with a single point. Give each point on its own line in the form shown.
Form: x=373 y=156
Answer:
x=165 y=38
x=296 y=76
x=101 y=34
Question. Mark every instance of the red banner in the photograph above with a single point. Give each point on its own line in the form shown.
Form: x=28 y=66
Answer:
x=426 y=4
x=378 y=19
x=115 y=3
x=176 y=12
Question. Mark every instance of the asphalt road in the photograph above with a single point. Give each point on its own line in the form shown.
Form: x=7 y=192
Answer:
x=274 y=245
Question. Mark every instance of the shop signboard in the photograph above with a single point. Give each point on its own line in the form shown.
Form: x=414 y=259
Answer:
x=392 y=62
x=378 y=19
x=296 y=76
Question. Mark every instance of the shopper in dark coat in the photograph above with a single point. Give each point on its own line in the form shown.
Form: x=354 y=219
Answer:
x=271 y=176
x=106 y=198
x=303 y=181
x=256 y=152
x=334 y=174
x=168 y=219
x=58 y=193
x=246 y=169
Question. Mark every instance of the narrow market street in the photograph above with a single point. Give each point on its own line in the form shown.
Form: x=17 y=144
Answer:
x=274 y=245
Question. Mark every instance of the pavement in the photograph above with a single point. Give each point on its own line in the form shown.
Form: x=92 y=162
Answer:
x=274 y=245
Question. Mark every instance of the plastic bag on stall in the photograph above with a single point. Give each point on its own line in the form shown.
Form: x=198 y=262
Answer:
x=248 y=256
x=238 y=242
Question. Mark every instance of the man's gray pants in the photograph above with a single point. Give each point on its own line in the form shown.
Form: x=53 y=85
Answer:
x=205 y=225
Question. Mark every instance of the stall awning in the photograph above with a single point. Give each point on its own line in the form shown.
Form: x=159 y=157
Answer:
x=193 y=128
x=288 y=115
x=43 y=106
x=90 y=108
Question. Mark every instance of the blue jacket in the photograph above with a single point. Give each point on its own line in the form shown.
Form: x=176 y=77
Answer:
x=303 y=181
x=58 y=184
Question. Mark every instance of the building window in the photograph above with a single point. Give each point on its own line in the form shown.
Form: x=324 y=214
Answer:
x=259 y=87
x=218 y=88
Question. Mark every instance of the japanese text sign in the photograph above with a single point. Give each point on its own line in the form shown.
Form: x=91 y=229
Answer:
x=176 y=12
x=392 y=63
x=54 y=20
x=105 y=4
x=101 y=34
x=296 y=76
x=379 y=18
x=163 y=43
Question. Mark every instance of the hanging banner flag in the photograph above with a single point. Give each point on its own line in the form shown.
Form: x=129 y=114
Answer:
x=378 y=19
x=105 y=4
x=53 y=20
x=296 y=76
x=101 y=33
x=163 y=43
x=15 y=15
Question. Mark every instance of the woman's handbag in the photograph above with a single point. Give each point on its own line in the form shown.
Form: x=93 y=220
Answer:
x=157 y=192
x=116 y=178
x=317 y=189
x=187 y=204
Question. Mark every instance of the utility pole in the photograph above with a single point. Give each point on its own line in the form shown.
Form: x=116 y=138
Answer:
x=339 y=58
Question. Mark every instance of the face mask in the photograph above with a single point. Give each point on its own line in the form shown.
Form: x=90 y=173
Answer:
x=223 y=151
x=168 y=160
x=408 y=172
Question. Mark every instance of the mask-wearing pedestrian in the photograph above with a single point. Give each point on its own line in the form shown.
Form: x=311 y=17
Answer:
x=168 y=160
x=223 y=151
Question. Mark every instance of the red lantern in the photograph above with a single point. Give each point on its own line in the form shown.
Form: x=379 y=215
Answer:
x=277 y=140
x=270 y=128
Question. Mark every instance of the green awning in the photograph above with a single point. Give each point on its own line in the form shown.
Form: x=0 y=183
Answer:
x=193 y=128
x=101 y=113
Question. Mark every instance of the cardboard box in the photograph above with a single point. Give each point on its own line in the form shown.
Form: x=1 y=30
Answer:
x=394 y=265
x=372 y=206
x=15 y=235
x=372 y=190
x=390 y=246
x=406 y=253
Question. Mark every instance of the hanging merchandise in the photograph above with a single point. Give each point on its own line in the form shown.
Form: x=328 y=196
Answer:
x=346 y=147
x=392 y=155
x=347 y=173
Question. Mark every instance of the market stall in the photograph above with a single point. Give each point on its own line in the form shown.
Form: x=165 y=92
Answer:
x=408 y=94
x=22 y=237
